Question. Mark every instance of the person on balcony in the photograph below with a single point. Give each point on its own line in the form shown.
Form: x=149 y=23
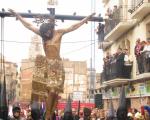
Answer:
x=108 y=19
x=107 y=66
x=120 y=63
x=146 y=55
x=128 y=61
x=109 y=13
x=100 y=32
x=113 y=66
x=115 y=16
x=104 y=75
x=137 y=50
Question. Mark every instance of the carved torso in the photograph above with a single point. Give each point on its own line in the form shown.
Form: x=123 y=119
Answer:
x=52 y=46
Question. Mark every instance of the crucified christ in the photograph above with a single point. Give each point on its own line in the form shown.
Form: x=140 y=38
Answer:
x=51 y=43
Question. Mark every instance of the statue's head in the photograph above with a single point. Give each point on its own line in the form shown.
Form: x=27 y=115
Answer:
x=47 y=30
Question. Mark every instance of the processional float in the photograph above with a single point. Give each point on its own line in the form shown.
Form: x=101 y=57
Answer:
x=44 y=72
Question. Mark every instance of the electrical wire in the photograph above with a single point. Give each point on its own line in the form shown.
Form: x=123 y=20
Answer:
x=2 y=46
x=65 y=53
x=9 y=41
x=78 y=49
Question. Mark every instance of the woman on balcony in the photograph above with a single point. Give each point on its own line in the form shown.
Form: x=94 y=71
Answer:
x=138 y=48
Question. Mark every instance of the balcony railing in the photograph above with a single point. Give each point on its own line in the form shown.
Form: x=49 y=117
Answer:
x=112 y=69
x=136 y=4
x=110 y=72
x=139 y=9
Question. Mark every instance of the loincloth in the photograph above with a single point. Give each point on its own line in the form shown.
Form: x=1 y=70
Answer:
x=50 y=72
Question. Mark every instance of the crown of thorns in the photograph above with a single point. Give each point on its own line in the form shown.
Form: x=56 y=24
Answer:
x=44 y=19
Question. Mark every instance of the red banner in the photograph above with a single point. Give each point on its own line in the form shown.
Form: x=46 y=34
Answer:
x=61 y=105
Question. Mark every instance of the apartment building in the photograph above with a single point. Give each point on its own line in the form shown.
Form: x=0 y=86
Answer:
x=11 y=78
x=126 y=21
x=75 y=80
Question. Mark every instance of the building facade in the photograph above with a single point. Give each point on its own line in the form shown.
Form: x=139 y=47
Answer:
x=11 y=78
x=27 y=67
x=26 y=72
x=91 y=74
x=75 y=80
x=126 y=22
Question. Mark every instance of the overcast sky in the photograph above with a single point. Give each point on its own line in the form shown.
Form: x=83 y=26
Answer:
x=79 y=49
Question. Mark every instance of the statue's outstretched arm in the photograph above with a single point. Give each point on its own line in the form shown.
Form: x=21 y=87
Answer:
x=24 y=22
x=77 y=25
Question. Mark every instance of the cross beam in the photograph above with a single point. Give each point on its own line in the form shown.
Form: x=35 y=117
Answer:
x=61 y=17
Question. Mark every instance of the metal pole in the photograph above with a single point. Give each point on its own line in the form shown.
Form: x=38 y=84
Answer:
x=3 y=98
x=2 y=49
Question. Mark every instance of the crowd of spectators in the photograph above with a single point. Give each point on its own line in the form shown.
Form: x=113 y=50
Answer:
x=142 y=53
x=118 y=65
x=84 y=114
x=112 y=18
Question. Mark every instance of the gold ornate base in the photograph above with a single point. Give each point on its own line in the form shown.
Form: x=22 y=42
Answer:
x=48 y=82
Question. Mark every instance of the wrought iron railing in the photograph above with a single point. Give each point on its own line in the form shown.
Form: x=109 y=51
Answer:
x=136 y=4
x=110 y=68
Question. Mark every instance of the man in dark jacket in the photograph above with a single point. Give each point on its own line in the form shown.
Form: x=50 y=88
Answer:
x=120 y=63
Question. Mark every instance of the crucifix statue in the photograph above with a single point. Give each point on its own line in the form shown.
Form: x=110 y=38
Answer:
x=53 y=70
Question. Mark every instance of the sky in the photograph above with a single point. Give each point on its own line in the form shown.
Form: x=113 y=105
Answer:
x=75 y=45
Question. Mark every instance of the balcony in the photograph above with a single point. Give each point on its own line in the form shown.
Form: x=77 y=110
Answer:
x=116 y=82
x=115 y=74
x=104 y=45
x=140 y=9
x=118 y=24
x=119 y=30
x=141 y=77
x=113 y=80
